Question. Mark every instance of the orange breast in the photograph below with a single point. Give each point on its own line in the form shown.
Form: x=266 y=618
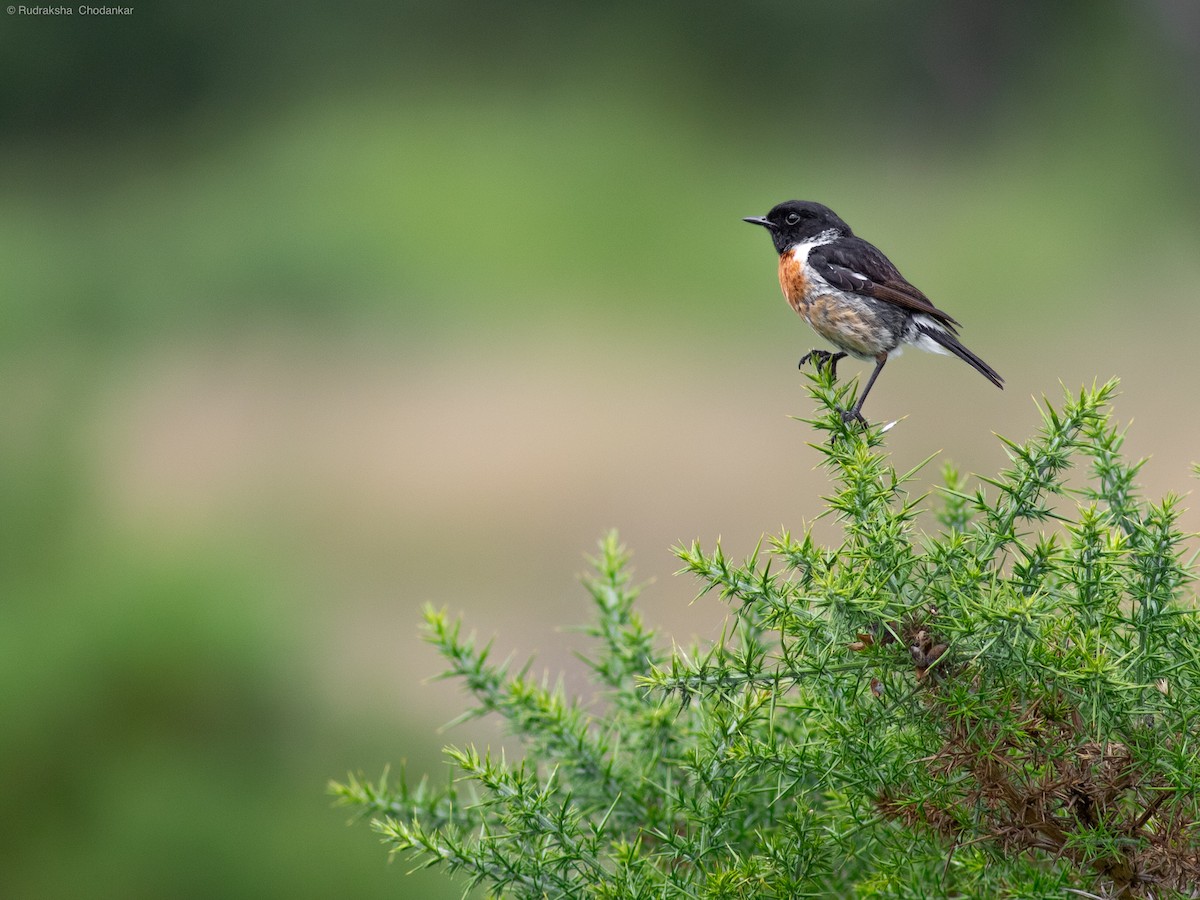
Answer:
x=793 y=282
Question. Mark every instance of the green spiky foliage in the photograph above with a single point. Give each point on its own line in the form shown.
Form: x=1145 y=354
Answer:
x=1007 y=707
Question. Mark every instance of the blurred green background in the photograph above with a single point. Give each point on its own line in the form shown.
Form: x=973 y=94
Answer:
x=312 y=313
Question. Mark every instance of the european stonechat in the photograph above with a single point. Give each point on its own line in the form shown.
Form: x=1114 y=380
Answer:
x=852 y=295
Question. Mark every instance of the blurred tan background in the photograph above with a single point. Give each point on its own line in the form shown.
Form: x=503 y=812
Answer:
x=310 y=314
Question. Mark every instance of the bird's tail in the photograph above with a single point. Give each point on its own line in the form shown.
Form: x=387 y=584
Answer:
x=951 y=343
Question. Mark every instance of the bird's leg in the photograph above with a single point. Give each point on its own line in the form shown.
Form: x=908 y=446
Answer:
x=855 y=414
x=822 y=358
x=833 y=361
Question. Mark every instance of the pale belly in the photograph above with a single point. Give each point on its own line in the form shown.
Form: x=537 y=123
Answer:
x=848 y=323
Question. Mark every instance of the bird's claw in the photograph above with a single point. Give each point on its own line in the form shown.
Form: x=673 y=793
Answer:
x=822 y=359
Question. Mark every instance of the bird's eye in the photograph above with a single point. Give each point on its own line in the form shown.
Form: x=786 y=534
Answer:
x=792 y=218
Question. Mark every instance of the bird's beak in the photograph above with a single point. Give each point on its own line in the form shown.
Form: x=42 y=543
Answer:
x=759 y=220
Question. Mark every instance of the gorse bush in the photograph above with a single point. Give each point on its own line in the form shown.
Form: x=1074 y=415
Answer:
x=1007 y=707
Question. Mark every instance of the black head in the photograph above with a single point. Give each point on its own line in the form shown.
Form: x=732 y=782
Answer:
x=797 y=221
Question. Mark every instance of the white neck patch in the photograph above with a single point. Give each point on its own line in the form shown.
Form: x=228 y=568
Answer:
x=801 y=251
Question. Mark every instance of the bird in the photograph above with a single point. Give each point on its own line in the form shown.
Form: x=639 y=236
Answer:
x=853 y=296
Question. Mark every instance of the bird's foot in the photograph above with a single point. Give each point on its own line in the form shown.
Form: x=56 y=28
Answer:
x=822 y=359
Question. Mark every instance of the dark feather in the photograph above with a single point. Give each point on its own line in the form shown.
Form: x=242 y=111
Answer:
x=843 y=261
x=951 y=343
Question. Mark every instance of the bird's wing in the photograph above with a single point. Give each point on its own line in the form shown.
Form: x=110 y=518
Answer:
x=855 y=266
